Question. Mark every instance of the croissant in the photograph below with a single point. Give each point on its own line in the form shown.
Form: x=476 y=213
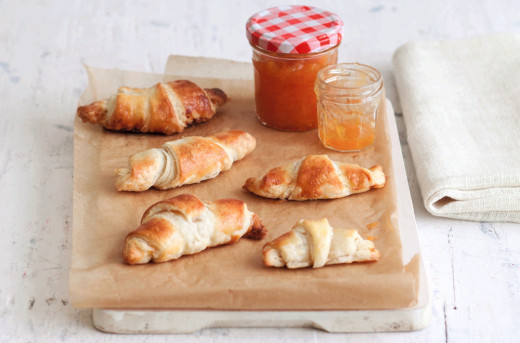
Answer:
x=316 y=177
x=315 y=243
x=185 y=225
x=165 y=107
x=184 y=161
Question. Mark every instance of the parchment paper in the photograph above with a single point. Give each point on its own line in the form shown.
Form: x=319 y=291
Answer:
x=232 y=276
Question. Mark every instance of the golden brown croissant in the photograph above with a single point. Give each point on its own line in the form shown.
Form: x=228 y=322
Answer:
x=316 y=177
x=315 y=243
x=184 y=161
x=185 y=225
x=165 y=107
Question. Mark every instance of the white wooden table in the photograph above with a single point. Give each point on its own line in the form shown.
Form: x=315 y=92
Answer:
x=474 y=268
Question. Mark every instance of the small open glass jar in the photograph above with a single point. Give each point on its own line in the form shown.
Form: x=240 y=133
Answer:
x=290 y=46
x=348 y=101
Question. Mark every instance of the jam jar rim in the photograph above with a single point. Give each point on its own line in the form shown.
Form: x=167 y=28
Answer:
x=281 y=55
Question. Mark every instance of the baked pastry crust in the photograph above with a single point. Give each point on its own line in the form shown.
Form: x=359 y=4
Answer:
x=316 y=177
x=185 y=225
x=163 y=108
x=184 y=161
x=315 y=243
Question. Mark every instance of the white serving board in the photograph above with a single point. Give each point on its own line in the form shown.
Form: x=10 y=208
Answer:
x=407 y=319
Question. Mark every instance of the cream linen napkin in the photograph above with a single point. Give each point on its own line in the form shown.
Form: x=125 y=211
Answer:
x=461 y=105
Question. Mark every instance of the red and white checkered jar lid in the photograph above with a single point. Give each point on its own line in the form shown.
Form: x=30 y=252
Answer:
x=294 y=29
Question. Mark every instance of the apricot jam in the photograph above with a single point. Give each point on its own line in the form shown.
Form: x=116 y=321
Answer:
x=290 y=45
x=347 y=134
x=349 y=97
x=284 y=88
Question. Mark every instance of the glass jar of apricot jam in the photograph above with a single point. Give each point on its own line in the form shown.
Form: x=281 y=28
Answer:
x=349 y=97
x=291 y=44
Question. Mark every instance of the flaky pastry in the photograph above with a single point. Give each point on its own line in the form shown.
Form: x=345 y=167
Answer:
x=184 y=161
x=163 y=108
x=315 y=243
x=186 y=225
x=316 y=177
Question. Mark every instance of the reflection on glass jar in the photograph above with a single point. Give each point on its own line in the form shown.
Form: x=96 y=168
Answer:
x=348 y=100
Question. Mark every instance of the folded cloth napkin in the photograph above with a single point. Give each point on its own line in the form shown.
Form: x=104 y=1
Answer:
x=461 y=106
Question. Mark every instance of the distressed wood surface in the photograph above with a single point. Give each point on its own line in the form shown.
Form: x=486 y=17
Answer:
x=474 y=268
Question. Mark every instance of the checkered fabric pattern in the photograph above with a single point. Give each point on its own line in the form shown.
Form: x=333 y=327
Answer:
x=294 y=29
